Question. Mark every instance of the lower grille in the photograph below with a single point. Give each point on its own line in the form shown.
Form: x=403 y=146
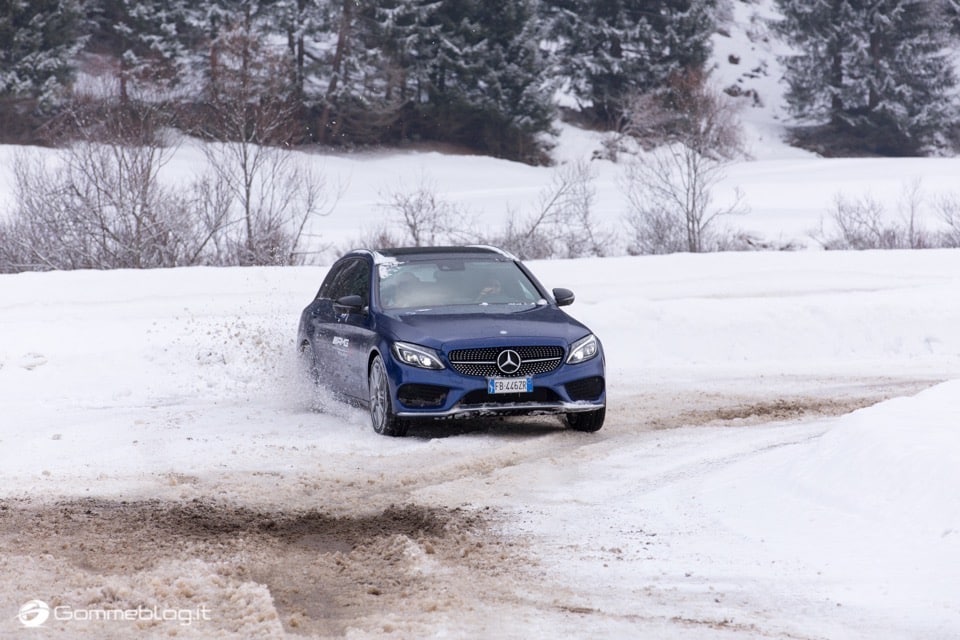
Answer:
x=539 y=394
x=585 y=388
x=422 y=395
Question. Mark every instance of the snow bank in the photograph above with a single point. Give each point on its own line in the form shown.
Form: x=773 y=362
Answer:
x=897 y=463
x=868 y=504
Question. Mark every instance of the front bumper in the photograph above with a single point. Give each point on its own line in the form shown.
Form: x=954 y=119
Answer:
x=506 y=408
x=446 y=393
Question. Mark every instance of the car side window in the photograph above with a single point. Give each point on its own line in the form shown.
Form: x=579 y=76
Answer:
x=330 y=282
x=358 y=280
x=351 y=278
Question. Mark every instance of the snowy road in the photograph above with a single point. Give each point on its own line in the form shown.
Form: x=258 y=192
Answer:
x=160 y=455
x=510 y=530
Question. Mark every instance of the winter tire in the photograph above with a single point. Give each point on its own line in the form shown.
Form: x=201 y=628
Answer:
x=586 y=420
x=384 y=421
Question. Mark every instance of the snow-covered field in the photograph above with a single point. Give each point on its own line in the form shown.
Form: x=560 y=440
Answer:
x=780 y=460
x=158 y=449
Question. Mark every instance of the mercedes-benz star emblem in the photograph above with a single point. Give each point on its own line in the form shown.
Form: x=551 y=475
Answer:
x=508 y=361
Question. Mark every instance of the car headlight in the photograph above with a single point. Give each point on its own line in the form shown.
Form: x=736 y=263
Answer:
x=417 y=356
x=583 y=349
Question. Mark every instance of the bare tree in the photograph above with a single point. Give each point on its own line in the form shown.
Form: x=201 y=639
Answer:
x=653 y=220
x=688 y=111
x=949 y=208
x=424 y=216
x=563 y=223
x=693 y=133
x=273 y=196
x=911 y=206
x=670 y=192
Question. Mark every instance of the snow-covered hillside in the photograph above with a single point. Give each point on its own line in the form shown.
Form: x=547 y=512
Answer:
x=788 y=193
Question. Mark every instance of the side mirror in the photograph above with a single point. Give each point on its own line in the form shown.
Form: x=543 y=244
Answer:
x=349 y=304
x=563 y=297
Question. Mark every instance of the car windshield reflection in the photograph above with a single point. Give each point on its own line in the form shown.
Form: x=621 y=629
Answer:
x=454 y=282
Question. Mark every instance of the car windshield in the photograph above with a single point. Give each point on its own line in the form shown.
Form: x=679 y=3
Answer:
x=445 y=282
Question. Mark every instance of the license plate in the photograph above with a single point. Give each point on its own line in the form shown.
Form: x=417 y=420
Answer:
x=510 y=385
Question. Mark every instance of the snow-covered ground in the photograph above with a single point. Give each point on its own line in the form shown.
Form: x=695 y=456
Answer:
x=726 y=497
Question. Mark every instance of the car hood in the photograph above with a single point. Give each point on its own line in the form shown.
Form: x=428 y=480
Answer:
x=436 y=329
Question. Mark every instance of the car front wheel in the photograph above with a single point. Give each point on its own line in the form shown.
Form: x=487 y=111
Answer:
x=586 y=420
x=385 y=422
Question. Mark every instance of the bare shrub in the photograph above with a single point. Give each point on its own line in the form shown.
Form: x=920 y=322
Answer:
x=670 y=196
x=563 y=224
x=692 y=134
x=209 y=205
x=866 y=223
x=101 y=203
x=949 y=209
x=44 y=229
x=424 y=217
x=378 y=237
x=101 y=206
x=735 y=240
x=861 y=225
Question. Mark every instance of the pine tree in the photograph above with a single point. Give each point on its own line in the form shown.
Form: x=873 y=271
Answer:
x=613 y=49
x=307 y=26
x=409 y=36
x=489 y=63
x=153 y=49
x=524 y=95
x=876 y=69
x=205 y=27
x=344 y=74
x=466 y=71
x=39 y=42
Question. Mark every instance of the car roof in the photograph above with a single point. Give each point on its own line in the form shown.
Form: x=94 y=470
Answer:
x=414 y=253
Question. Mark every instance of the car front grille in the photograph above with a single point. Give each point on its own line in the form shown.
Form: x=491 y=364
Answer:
x=483 y=362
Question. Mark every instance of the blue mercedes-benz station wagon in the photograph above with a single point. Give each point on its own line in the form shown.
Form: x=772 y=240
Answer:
x=437 y=332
